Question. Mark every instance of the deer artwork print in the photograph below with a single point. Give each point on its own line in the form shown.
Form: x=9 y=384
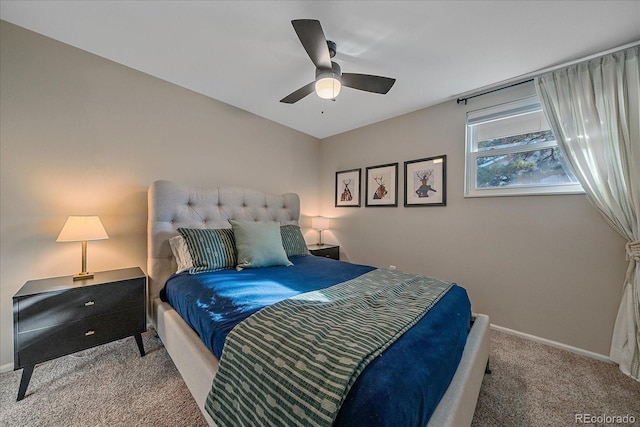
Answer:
x=346 y=195
x=425 y=187
x=381 y=191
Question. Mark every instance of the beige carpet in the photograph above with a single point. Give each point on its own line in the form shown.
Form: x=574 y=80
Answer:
x=531 y=385
x=110 y=385
x=536 y=385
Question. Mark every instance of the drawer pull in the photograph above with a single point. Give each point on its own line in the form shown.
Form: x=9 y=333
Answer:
x=89 y=333
x=89 y=303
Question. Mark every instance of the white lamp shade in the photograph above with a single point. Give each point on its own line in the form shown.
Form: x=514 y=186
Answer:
x=320 y=223
x=82 y=228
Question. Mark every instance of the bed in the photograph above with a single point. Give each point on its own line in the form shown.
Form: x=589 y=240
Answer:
x=173 y=206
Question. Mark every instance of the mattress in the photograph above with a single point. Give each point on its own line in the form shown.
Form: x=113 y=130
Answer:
x=400 y=387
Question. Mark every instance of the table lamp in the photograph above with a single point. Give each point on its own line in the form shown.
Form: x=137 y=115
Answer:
x=82 y=229
x=320 y=223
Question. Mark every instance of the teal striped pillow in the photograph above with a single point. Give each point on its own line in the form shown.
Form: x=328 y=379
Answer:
x=292 y=241
x=210 y=249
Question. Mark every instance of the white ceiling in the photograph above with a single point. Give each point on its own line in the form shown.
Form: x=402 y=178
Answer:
x=246 y=53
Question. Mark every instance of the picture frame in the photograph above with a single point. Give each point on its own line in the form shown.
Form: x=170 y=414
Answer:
x=382 y=185
x=425 y=182
x=348 y=184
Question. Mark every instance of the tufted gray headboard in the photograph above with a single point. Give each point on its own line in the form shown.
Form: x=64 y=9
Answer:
x=173 y=205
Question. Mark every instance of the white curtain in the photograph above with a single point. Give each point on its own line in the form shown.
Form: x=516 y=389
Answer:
x=593 y=110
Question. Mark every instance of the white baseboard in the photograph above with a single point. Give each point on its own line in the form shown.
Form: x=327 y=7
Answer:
x=555 y=344
x=6 y=368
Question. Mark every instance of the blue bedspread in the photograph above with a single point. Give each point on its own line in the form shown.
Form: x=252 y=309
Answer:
x=401 y=387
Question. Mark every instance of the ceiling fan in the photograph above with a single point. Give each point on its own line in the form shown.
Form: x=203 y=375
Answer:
x=329 y=78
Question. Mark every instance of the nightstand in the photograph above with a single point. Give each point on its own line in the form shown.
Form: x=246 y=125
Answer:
x=328 y=251
x=59 y=316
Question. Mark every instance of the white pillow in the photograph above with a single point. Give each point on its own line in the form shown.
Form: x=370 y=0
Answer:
x=181 y=253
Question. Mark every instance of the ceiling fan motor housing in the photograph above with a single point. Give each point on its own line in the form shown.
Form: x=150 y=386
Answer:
x=335 y=72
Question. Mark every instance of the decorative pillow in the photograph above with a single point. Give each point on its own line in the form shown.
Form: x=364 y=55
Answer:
x=259 y=244
x=210 y=249
x=181 y=253
x=292 y=241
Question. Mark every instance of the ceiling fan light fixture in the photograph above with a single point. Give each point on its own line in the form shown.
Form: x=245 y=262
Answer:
x=328 y=87
x=329 y=82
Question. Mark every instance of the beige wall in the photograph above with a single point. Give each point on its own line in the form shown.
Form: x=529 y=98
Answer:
x=83 y=135
x=549 y=266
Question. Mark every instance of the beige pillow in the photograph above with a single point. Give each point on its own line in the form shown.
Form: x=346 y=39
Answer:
x=181 y=253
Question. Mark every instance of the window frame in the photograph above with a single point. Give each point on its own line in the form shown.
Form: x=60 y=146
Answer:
x=514 y=108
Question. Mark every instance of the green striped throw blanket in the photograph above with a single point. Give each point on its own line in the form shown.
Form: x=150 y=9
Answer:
x=293 y=363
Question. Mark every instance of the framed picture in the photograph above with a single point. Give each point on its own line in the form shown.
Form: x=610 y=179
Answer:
x=382 y=185
x=348 y=188
x=425 y=182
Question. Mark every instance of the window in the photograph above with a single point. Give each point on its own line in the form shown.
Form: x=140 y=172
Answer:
x=511 y=150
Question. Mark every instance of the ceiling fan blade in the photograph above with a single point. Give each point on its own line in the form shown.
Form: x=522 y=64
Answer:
x=312 y=38
x=368 y=83
x=299 y=94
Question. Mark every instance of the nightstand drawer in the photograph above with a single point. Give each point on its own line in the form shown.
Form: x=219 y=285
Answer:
x=47 y=343
x=60 y=307
x=332 y=252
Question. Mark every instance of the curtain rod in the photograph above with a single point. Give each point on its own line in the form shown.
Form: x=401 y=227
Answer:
x=525 y=78
x=461 y=100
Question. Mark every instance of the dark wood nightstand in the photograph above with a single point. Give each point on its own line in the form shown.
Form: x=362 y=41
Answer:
x=59 y=316
x=328 y=251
